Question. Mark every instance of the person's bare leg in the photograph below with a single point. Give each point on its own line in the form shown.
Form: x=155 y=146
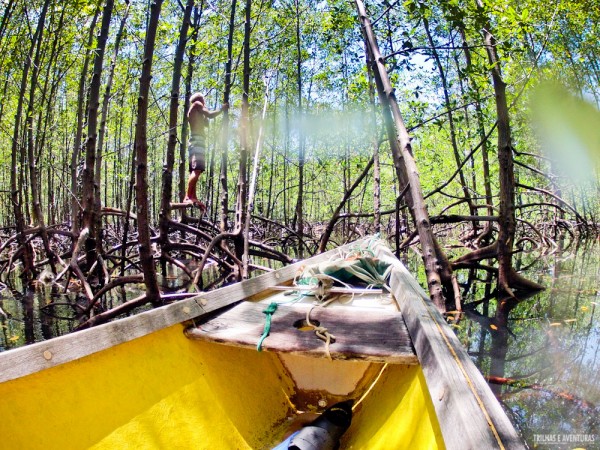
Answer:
x=190 y=196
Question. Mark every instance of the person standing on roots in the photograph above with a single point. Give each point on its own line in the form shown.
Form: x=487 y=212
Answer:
x=198 y=116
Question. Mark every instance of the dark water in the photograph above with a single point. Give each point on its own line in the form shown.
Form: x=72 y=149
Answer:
x=542 y=353
x=48 y=311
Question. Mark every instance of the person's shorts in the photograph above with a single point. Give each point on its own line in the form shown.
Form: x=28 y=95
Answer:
x=197 y=160
x=196 y=154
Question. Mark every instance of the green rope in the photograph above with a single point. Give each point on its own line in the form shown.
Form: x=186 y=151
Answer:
x=269 y=313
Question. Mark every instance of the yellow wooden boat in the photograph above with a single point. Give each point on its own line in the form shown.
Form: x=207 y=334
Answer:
x=189 y=376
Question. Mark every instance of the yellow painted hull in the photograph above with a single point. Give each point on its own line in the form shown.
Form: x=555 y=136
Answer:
x=164 y=391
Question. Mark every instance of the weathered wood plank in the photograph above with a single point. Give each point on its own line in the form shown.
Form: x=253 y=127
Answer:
x=42 y=355
x=458 y=390
x=368 y=335
x=333 y=290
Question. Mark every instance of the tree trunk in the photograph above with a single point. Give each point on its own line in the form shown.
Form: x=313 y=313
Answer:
x=269 y=207
x=502 y=249
x=286 y=153
x=225 y=125
x=88 y=189
x=484 y=238
x=242 y=189
x=16 y=195
x=252 y=189
x=128 y=207
x=167 y=176
x=376 y=165
x=141 y=150
x=299 y=211
x=406 y=169
x=81 y=97
x=450 y=115
x=51 y=78
x=8 y=10
x=101 y=133
x=34 y=178
x=507 y=276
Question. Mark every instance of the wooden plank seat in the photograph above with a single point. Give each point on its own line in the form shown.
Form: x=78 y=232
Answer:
x=360 y=334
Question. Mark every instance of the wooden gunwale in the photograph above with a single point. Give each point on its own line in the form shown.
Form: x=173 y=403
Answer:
x=469 y=414
x=26 y=360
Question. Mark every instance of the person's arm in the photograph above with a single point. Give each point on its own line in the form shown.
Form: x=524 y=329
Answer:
x=215 y=113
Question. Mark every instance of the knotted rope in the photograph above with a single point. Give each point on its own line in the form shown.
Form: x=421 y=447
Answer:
x=269 y=313
x=320 y=331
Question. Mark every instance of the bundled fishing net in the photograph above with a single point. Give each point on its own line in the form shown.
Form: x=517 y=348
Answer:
x=357 y=267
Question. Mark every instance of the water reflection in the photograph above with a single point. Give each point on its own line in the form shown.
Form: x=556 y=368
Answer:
x=49 y=310
x=42 y=313
x=541 y=354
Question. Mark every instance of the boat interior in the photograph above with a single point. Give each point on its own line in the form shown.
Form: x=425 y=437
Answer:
x=175 y=388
